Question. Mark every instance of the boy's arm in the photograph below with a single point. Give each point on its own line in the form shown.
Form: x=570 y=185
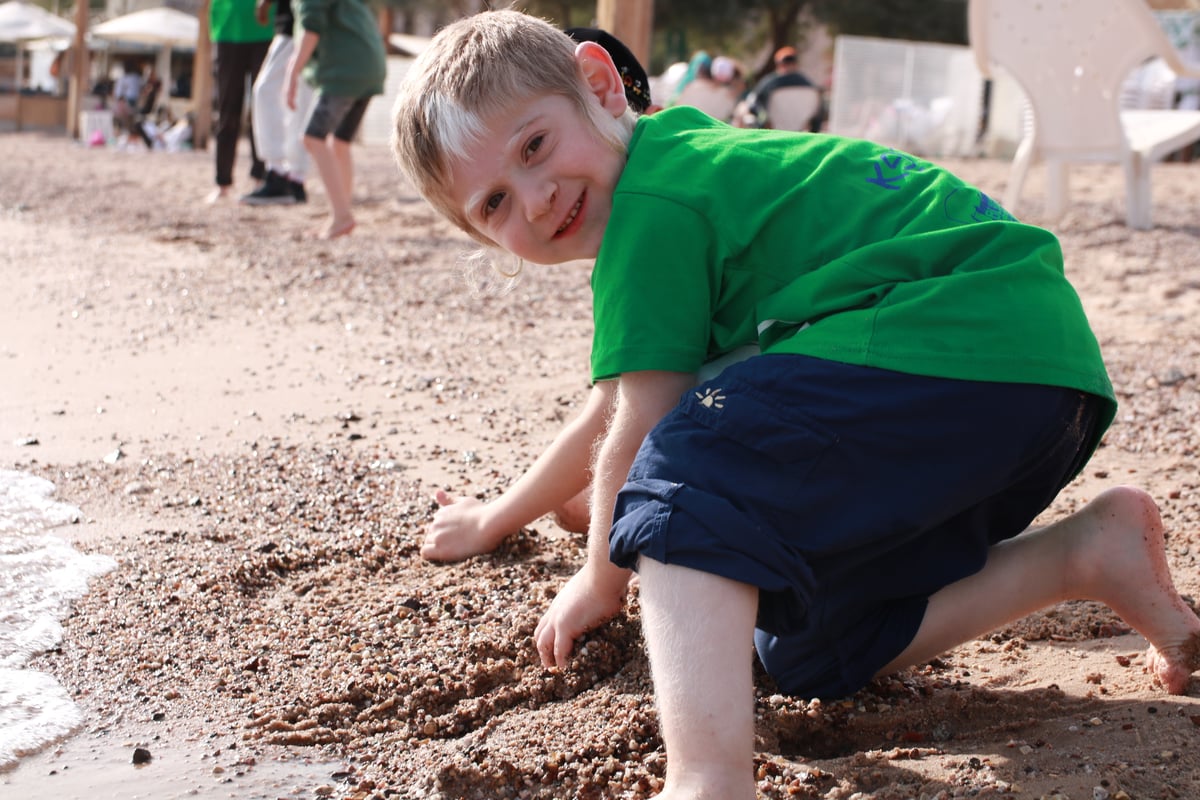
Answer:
x=466 y=527
x=597 y=591
x=304 y=50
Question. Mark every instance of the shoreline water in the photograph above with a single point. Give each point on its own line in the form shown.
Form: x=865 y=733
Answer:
x=41 y=575
x=52 y=748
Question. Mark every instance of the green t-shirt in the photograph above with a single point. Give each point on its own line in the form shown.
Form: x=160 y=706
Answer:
x=349 y=60
x=835 y=248
x=234 y=21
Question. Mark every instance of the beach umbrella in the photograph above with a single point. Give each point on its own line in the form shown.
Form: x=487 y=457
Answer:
x=163 y=27
x=21 y=22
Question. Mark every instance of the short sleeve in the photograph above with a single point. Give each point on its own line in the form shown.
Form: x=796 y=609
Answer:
x=653 y=288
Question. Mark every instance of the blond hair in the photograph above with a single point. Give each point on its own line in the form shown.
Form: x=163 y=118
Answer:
x=476 y=68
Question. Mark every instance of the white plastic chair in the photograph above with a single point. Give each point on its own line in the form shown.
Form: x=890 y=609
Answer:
x=792 y=108
x=711 y=98
x=1071 y=58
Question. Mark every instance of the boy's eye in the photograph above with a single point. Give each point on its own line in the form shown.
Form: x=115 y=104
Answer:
x=534 y=145
x=493 y=203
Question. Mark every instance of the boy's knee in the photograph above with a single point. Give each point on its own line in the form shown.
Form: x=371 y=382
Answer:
x=574 y=515
x=1128 y=500
x=802 y=667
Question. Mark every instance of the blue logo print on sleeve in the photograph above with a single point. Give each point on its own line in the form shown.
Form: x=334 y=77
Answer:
x=892 y=167
x=966 y=204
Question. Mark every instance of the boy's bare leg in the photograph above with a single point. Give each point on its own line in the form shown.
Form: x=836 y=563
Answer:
x=341 y=151
x=1111 y=551
x=324 y=156
x=699 y=631
x=575 y=515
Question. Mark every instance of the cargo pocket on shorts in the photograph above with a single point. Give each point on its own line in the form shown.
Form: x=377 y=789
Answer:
x=738 y=412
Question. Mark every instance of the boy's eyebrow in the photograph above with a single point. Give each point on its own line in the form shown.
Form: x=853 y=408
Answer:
x=517 y=135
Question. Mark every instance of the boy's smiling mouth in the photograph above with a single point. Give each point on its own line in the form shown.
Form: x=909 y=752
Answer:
x=572 y=215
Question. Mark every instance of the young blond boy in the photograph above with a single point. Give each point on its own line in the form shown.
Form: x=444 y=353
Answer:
x=853 y=499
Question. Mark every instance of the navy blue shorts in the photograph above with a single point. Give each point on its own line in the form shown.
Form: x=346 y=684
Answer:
x=848 y=495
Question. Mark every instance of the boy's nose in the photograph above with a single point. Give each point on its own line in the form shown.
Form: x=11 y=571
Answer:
x=541 y=200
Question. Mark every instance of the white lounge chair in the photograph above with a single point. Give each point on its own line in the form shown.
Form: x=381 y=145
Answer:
x=1071 y=58
x=792 y=108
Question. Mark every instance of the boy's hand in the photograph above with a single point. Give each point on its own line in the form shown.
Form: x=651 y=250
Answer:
x=457 y=530
x=592 y=596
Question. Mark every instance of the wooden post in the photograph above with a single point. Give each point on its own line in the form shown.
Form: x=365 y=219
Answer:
x=19 y=83
x=79 y=83
x=202 y=81
x=385 y=18
x=631 y=21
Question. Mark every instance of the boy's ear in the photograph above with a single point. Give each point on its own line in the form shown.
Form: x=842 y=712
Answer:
x=602 y=77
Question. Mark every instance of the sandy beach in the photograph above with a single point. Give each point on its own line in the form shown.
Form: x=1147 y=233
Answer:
x=253 y=424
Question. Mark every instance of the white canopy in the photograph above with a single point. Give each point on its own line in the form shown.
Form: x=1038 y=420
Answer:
x=159 y=26
x=20 y=21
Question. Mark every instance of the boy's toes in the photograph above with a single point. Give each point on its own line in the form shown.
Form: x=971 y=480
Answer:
x=1174 y=674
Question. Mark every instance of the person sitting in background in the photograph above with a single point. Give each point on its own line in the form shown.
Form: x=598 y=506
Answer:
x=700 y=66
x=127 y=96
x=700 y=90
x=179 y=135
x=148 y=95
x=787 y=73
x=142 y=118
x=729 y=74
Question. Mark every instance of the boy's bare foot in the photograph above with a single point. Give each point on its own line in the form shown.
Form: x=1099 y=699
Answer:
x=1120 y=559
x=703 y=793
x=1173 y=669
x=218 y=194
x=336 y=228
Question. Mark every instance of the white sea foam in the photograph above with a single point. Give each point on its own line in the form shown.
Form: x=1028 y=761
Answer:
x=41 y=574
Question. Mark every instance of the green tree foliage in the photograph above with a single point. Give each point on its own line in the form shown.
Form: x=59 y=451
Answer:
x=754 y=29
x=917 y=20
x=749 y=30
x=565 y=13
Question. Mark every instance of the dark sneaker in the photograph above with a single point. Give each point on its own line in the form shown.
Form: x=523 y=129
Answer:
x=275 y=191
x=297 y=190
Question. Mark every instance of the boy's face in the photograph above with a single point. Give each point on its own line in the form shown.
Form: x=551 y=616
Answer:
x=540 y=182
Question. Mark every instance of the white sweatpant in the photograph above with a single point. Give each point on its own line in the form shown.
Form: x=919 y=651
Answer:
x=279 y=131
